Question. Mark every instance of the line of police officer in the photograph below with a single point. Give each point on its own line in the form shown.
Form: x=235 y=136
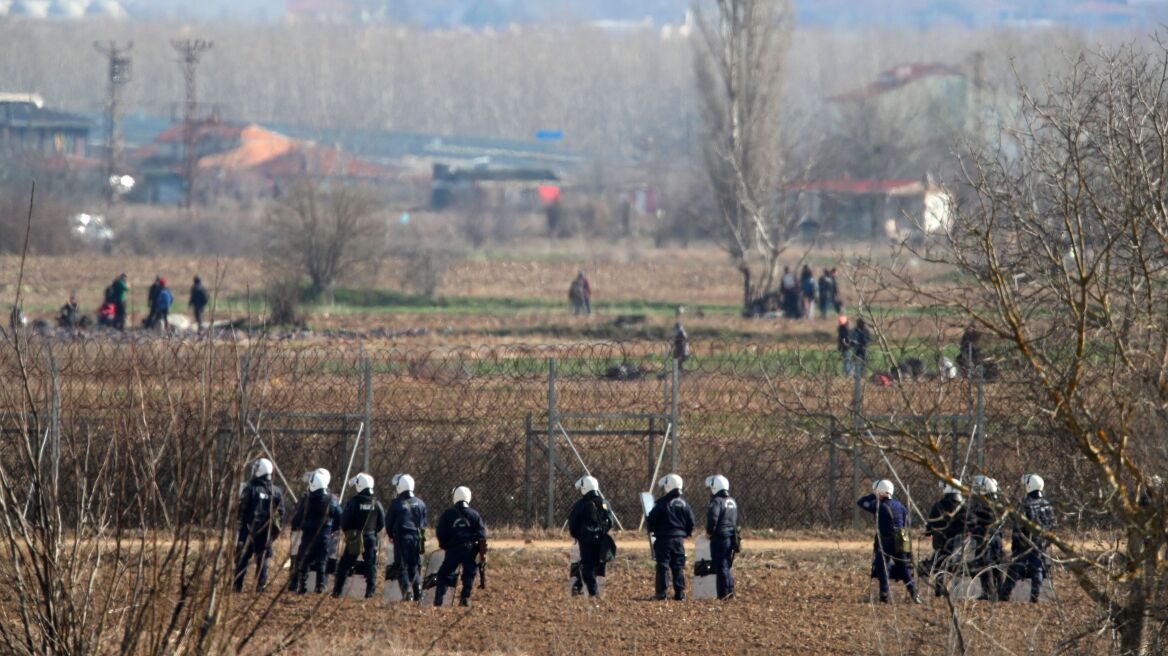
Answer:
x=461 y=533
x=320 y=518
x=950 y=520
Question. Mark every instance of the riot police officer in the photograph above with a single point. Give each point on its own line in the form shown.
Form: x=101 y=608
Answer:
x=406 y=526
x=317 y=515
x=261 y=513
x=722 y=529
x=946 y=526
x=1027 y=546
x=361 y=522
x=670 y=522
x=985 y=529
x=463 y=536
x=589 y=522
x=891 y=555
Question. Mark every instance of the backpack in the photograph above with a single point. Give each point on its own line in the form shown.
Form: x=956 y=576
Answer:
x=165 y=299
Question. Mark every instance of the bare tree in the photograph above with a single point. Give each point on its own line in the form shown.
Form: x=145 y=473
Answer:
x=322 y=231
x=1062 y=250
x=740 y=68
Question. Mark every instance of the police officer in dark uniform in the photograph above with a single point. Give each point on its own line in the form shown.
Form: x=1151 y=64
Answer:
x=946 y=526
x=463 y=536
x=261 y=513
x=589 y=522
x=670 y=522
x=722 y=528
x=406 y=524
x=890 y=555
x=317 y=515
x=985 y=529
x=1028 y=547
x=362 y=522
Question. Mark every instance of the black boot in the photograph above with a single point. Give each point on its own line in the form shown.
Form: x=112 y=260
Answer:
x=464 y=602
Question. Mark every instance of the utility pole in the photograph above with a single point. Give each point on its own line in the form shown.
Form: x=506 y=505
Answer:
x=118 y=75
x=190 y=50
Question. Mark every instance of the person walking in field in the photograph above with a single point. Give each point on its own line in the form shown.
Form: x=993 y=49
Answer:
x=589 y=523
x=261 y=514
x=162 y=302
x=317 y=516
x=670 y=522
x=985 y=530
x=860 y=340
x=843 y=344
x=361 y=521
x=462 y=534
x=722 y=529
x=891 y=553
x=198 y=301
x=152 y=303
x=580 y=295
x=808 y=290
x=119 y=292
x=828 y=293
x=1028 y=546
x=406 y=526
x=946 y=526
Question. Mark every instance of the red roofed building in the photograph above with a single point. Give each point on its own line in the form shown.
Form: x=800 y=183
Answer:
x=863 y=209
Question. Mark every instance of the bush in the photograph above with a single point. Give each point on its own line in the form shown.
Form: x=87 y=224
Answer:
x=283 y=297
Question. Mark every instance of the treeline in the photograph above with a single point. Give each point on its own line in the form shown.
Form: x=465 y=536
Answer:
x=625 y=95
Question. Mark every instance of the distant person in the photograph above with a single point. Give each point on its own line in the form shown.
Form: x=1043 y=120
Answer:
x=198 y=302
x=162 y=302
x=808 y=289
x=119 y=292
x=69 y=316
x=16 y=318
x=946 y=368
x=969 y=356
x=261 y=514
x=837 y=299
x=580 y=295
x=152 y=303
x=843 y=343
x=891 y=555
x=826 y=293
x=789 y=291
x=860 y=340
x=670 y=522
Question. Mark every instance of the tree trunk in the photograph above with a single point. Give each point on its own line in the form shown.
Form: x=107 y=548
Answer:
x=1131 y=621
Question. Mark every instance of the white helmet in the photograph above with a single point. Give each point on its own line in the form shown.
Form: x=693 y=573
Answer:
x=460 y=494
x=362 y=482
x=717 y=483
x=947 y=488
x=587 y=484
x=319 y=480
x=1032 y=483
x=984 y=485
x=263 y=467
x=670 y=482
x=403 y=483
x=883 y=486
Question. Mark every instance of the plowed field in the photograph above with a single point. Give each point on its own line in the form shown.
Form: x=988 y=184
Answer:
x=792 y=599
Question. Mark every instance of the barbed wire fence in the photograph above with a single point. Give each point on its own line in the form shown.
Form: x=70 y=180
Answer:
x=519 y=424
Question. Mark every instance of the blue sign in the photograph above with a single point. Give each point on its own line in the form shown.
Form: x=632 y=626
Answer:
x=549 y=135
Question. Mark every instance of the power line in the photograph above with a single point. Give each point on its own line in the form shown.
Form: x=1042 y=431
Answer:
x=190 y=51
x=118 y=75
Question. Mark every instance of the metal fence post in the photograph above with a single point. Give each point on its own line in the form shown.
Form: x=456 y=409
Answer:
x=551 y=444
x=368 y=390
x=528 y=496
x=674 y=442
x=652 y=440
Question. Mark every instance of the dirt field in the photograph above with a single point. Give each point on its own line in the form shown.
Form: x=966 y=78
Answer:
x=794 y=598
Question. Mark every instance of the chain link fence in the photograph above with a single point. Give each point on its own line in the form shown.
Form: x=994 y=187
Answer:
x=519 y=423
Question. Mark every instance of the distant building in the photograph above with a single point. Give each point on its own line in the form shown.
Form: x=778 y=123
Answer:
x=26 y=126
x=242 y=160
x=866 y=209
